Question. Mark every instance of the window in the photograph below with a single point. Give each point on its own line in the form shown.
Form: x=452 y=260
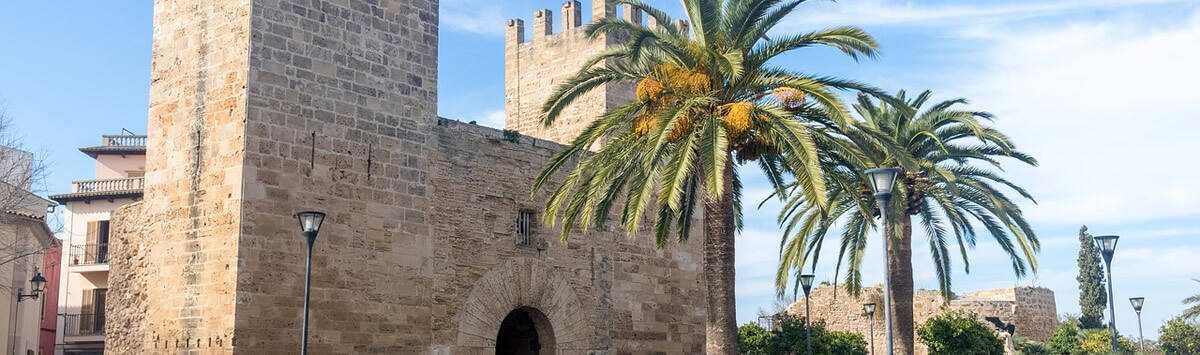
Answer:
x=524 y=227
x=135 y=173
x=95 y=248
x=91 y=311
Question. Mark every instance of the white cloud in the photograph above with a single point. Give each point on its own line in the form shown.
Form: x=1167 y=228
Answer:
x=1107 y=105
x=895 y=12
x=473 y=16
x=1109 y=109
x=494 y=119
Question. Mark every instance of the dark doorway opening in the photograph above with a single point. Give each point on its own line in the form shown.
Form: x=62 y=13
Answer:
x=525 y=331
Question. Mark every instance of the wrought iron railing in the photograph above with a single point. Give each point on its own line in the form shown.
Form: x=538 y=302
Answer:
x=106 y=185
x=84 y=324
x=123 y=140
x=89 y=254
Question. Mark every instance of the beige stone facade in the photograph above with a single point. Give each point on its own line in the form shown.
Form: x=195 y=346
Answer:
x=263 y=108
x=1031 y=309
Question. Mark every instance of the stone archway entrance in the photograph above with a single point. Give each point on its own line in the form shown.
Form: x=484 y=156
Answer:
x=514 y=294
x=525 y=331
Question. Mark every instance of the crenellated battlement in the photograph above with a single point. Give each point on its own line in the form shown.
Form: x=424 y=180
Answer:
x=538 y=61
x=572 y=19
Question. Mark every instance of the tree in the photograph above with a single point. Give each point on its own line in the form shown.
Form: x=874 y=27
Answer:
x=941 y=150
x=754 y=339
x=1092 y=296
x=708 y=99
x=21 y=175
x=1193 y=305
x=959 y=333
x=1065 y=339
x=1099 y=341
x=788 y=338
x=1179 y=337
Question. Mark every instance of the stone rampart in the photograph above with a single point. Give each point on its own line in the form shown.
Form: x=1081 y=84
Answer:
x=1031 y=309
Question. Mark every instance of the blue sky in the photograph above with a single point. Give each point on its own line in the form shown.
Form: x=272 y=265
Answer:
x=1100 y=91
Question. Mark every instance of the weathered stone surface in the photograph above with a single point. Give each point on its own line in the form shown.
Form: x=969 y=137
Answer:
x=1031 y=309
x=534 y=68
x=263 y=108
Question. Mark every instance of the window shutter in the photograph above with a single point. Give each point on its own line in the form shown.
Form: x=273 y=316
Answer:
x=87 y=318
x=93 y=232
x=89 y=305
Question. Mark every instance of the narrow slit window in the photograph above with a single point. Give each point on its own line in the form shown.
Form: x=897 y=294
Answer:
x=524 y=227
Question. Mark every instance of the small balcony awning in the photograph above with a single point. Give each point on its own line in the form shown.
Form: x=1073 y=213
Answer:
x=118 y=144
x=88 y=190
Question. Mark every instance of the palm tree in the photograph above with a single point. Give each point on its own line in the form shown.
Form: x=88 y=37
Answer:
x=1193 y=303
x=944 y=152
x=708 y=99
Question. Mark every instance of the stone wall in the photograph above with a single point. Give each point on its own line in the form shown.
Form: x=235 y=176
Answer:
x=624 y=295
x=341 y=105
x=1031 y=309
x=174 y=258
x=534 y=68
x=263 y=108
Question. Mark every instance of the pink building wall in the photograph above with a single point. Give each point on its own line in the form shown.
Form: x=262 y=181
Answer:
x=50 y=270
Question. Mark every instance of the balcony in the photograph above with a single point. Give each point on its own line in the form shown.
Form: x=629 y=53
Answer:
x=83 y=325
x=124 y=144
x=89 y=254
x=102 y=189
x=108 y=185
x=123 y=140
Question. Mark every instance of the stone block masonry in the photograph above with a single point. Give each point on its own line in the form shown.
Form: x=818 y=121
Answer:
x=534 y=68
x=262 y=108
x=1031 y=309
x=173 y=281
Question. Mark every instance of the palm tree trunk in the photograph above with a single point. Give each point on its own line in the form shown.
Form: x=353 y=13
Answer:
x=721 y=322
x=900 y=279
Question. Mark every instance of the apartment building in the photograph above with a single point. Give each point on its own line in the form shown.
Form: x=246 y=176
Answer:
x=120 y=163
x=25 y=240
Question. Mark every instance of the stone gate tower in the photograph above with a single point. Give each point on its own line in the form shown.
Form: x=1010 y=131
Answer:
x=258 y=108
x=532 y=70
x=263 y=108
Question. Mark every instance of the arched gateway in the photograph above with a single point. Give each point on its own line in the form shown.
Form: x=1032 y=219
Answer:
x=522 y=307
x=525 y=331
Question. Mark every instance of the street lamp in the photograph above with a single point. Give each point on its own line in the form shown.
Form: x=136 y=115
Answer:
x=869 y=311
x=1108 y=245
x=36 y=286
x=806 y=282
x=1137 y=302
x=310 y=225
x=882 y=181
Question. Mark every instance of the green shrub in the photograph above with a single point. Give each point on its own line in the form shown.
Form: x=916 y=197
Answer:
x=788 y=338
x=1099 y=341
x=1179 y=337
x=753 y=339
x=1030 y=347
x=844 y=343
x=959 y=333
x=1065 y=339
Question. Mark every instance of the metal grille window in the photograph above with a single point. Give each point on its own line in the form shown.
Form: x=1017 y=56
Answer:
x=524 y=227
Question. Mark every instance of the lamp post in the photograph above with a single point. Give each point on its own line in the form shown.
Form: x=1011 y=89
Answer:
x=1137 y=302
x=869 y=310
x=37 y=285
x=310 y=225
x=806 y=281
x=1108 y=245
x=882 y=180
